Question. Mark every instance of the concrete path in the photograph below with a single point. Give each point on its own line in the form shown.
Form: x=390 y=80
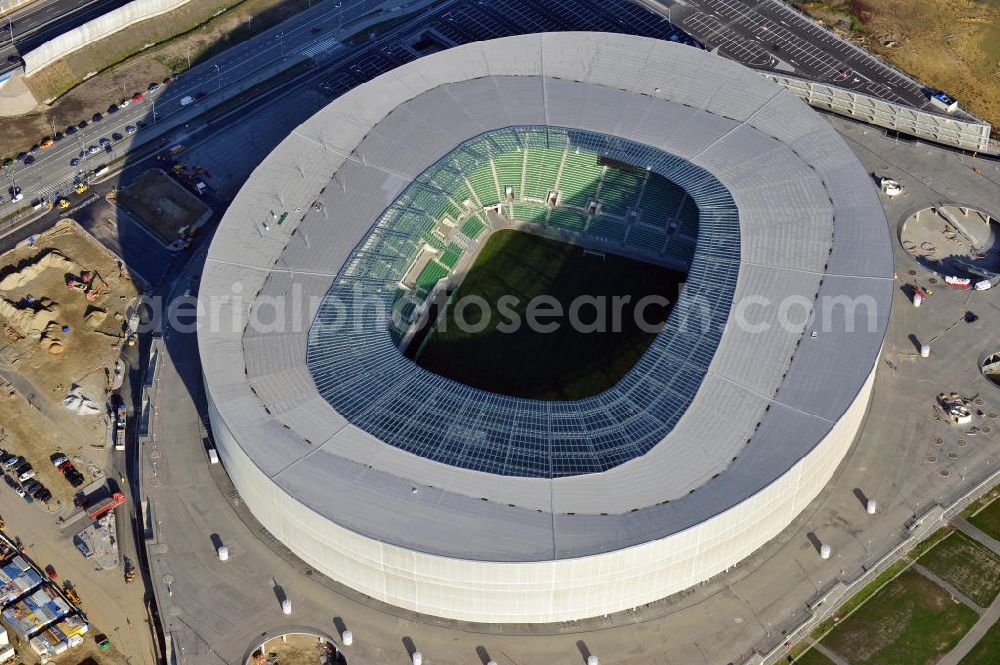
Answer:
x=972 y=532
x=947 y=587
x=832 y=655
x=972 y=637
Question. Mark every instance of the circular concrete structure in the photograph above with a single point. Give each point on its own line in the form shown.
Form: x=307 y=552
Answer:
x=422 y=493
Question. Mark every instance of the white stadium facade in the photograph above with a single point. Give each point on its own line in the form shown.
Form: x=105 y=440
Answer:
x=446 y=500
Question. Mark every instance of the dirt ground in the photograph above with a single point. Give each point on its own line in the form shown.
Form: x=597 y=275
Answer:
x=40 y=364
x=161 y=204
x=952 y=45
x=295 y=650
x=131 y=59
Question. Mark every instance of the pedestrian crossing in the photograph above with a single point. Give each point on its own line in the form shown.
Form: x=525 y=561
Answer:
x=323 y=46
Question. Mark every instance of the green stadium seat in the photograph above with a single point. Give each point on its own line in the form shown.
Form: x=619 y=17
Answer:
x=568 y=219
x=607 y=229
x=525 y=212
x=579 y=178
x=660 y=201
x=451 y=256
x=541 y=171
x=430 y=275
x=619 y=191
x=646 y=237
x=482 y=183
x=472 y=227
x=510 y=167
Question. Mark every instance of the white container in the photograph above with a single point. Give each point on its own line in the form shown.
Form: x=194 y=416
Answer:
x=213 y=456
x=871 y=507
x=917 y=299
x=925 y=350
x=592 y=660
x=286 y=607
x=223 y=553
x=347 y=637
x=418 y=658
x=824 y=551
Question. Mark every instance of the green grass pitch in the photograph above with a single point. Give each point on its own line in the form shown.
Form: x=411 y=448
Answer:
x=566 y=364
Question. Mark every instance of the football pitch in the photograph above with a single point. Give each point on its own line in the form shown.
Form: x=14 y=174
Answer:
x=483 y=337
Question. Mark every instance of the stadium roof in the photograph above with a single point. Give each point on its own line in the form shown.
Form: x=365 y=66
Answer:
x=810 y=226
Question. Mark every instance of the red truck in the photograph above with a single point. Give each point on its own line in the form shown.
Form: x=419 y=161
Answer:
x=104 y=505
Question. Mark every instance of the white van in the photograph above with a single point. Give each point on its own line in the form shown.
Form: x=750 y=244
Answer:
x=187 y=99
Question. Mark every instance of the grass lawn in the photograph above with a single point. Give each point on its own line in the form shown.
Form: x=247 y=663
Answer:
x=813 y=657
x=912 y=621
x=563 y=364
x=987 y=649
x=987 y=520
x=970 y=567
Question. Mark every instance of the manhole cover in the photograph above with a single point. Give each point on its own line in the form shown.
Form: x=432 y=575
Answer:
x=945 y=472
x=162 y=548
x=168 y=579
x=155 y=482
x=961 y=443
x=979 y=401
x=154 y=453
x=913 y=272
x=931 y=459
x=932 y=280
x=986 y=429
x=174 y=611
x=938 y=440
x=952 y=455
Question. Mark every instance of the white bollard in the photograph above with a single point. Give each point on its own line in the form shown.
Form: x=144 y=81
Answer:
x=418 y=658
x=917 y=299
x=347 y=637
x=925 y=350
x=286 y=606
x=223 y=553
x=872 y=506
x=492 y=662
x=592 y=660
x=824 y=551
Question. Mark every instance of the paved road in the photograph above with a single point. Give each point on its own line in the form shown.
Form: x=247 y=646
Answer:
x=27 y=28
x=311 y=32
x=769 y=35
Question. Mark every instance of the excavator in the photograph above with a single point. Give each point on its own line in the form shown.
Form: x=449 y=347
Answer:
x=89 y=283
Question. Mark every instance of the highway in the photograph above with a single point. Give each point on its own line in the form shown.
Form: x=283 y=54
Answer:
x=24 y=29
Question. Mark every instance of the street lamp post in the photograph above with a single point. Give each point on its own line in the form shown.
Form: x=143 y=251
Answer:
x=281 y=39
x=219 y=72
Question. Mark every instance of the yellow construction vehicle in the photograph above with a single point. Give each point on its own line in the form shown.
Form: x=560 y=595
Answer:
x=81 y=188
x=71 y=593
x=62 y=203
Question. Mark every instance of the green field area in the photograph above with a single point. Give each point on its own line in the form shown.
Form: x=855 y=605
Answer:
x=813 y=657
x=987 y=649
x=988 y=520
x=563 y=364
x=970 y=567
x=912 y=621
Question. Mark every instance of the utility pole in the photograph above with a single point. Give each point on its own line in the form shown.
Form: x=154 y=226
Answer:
x=219 y=72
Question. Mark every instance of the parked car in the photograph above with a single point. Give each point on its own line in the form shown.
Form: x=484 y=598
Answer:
x=51 y=572
x=30 y=159
x=34 y=149
x=108 y=149
x=71 y=129
x=104 y=140
x=11 y=483
x=20 y=492
x=153 y=87
x=131 y=129
x=93 y=150
x=13 y=462
x=137 y=97
x=58 y=136
x=97 y=117
x=57 y=459
x=26 y=474
x=74 y=162
x=141 y=123
x=43 y=495
x=32 y=486
x=113 y=108
x=116 y=137
x=83 y=123
x=123 y=103
x=77 y=480
x=27 y=497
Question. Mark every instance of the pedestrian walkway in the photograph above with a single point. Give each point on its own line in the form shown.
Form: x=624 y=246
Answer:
x=971 y=638
x=972 y=532
x=947 y=587
x=835 y=657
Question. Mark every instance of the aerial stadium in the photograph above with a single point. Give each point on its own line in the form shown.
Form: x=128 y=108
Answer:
x=519 y=479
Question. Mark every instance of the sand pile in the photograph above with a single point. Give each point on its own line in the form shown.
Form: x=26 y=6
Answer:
x=95 y=316
x=29 y=320
x=31 y=269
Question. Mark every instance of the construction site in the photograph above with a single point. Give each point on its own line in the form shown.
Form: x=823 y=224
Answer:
x=63 y=312
x=166 y=209
x=954 y=240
